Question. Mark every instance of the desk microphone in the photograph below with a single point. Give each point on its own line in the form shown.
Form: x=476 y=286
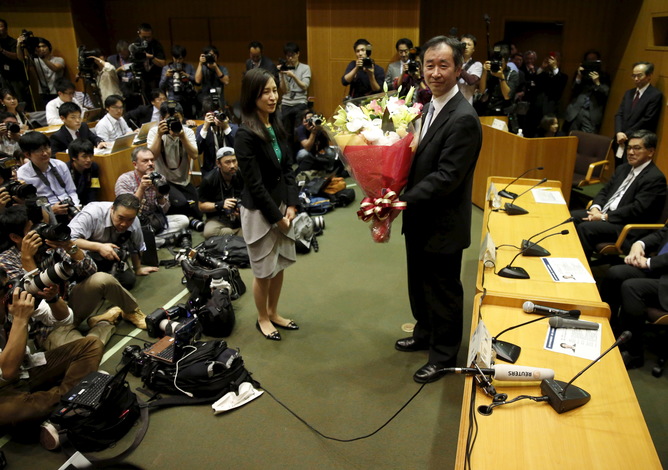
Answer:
x=512 y=209
x=510 y=352
x=517 y=272
x=508 y=194
x=530 y=307
x=537 y=250
x=558 y=322
x=564 y=397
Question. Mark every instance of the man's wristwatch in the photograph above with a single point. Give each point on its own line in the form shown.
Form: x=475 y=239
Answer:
x=604 y=217
x=73 y=250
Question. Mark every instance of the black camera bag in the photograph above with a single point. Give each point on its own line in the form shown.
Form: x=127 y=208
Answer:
x=207 y=371
x=198 y=278
x=217 y=315
x=229 y=248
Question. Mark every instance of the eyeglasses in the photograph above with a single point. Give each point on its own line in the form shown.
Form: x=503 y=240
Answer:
x=637 y=75
x=636 y=148
x=117 y=107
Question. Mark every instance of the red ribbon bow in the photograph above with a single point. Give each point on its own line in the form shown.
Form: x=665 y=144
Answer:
x=380 y=207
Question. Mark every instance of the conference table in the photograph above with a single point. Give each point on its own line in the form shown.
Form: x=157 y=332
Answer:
x=607 y=432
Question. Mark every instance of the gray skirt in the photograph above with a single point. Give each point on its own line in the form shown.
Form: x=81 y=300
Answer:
x=270 y=250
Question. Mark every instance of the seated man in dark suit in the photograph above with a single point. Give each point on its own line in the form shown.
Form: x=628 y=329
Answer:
x=216 y=132
x=85 y=172
x=146 y=113
x=640 y=107
x=72 y=128
x=640 y=283
x=635 y=194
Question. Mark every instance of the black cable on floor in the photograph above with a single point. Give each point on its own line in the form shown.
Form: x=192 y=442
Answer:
x=472 y=433
x=335 y=438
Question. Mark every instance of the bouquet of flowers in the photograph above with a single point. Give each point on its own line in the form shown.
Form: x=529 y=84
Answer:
x=376 y=138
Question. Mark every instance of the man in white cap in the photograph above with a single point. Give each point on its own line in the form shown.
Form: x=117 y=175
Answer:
x=219 y=196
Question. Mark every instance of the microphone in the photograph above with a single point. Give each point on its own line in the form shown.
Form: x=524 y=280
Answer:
x=563 y=399
x=507 y=373
x=558 y=322
x=530 y=307
x=506 y=351
x=512 y=209
x=508 y=194
x=517 y=272
x=134 y=123
x=536 y=250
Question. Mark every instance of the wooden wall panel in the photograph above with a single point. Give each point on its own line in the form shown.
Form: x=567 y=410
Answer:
x=332 y=28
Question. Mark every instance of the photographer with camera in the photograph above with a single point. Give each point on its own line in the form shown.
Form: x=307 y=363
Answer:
x=498 y=84
x=11 y=68
x=10 y=133
x=550 y=85
x=315 y=152
x=50 y=177
x=31 y=384
x=84 y=171
x=153 y=55
x=177 y=80
x=152 y=189
x=113 y=232
x=295 y=80
x=48 y=68
x=363 y=75
x=174 y=146
x=209 y=75
x=219 y=196
x=471 y=72
x=588 y=96
x=216 y=132
x=396 y=69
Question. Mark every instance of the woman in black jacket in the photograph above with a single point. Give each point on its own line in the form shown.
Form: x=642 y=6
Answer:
x=269 y=198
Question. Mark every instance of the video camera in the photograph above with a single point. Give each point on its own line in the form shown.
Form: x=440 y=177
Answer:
x=173 y=122
x=87 y=62
x=138 y=56
x=29 y=40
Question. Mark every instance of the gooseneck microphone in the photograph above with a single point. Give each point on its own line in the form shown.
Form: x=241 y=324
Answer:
x=507 y=373
x=537 y=250
x=563 y=396
x=530 y=307
x=512 y=209
x=517 y=272
x=506 y=351
x=558 y=322
x=507 y=194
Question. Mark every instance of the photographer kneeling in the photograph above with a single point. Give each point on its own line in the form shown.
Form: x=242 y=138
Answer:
x=219 y=196
x=315 y=152
x=112 y=231
x=151 y=188
x=75 y=280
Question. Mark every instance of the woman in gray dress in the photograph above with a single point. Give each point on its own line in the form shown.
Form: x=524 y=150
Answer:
x=269 y=198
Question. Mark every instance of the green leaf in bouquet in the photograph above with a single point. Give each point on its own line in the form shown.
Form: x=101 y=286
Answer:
x=387 y=124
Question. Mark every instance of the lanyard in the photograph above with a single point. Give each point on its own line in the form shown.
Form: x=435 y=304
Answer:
x=45 y=180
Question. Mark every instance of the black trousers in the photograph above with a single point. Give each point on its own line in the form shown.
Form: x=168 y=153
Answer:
x=437 y=300
x=183 y=200
x=592 y=233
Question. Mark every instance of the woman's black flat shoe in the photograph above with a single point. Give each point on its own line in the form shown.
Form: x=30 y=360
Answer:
x=290 y=326
x=274 y=335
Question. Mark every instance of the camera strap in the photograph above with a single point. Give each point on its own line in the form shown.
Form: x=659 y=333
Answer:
x=164 y=154
x=45 y=180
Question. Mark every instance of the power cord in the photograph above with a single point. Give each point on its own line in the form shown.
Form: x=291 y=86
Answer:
x=336 y=438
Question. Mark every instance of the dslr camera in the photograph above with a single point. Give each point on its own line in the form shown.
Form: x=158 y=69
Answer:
x=413 y=65
x=367 y=62
x=496 y=62
x=173 y=122
x=19 y=189
x=167 y=321
x=35 y=281
x=72 y=209
x=283 y=65
x=316 y=120
x=54 y=233
x=210 y=58
x=159 y=182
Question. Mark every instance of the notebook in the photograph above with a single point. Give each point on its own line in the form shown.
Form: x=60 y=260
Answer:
x=170 y=349
x=121 y=143
x=90 y=115
x=143 y=132
x=93 y=389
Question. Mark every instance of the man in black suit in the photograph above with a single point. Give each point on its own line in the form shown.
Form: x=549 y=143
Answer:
x=72 y=128
x=635 y=194
x=640 y=107
x=437 y=219
x=258 y=60
x=146 y=113
x=640 y=283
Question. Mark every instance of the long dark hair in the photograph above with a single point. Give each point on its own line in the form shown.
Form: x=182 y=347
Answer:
x=252 y=87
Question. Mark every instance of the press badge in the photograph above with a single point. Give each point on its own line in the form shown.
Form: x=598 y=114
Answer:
x=95 y=183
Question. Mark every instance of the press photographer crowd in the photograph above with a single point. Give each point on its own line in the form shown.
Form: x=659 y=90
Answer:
x=269 y=173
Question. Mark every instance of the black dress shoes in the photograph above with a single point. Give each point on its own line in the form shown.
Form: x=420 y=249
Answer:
x=410 y=345
x=429 y=373
x=274 y=335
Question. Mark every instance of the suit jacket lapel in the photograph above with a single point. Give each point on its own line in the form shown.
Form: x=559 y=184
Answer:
x=439 y=120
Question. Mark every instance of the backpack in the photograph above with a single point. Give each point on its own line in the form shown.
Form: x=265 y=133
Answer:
x=214 y=311
x=207 y=371
x=229 y=248
x=198 y=278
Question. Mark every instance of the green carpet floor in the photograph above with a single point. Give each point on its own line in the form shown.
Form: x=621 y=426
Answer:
x=340 y=373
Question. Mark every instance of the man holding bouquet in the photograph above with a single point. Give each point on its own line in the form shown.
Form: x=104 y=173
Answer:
x=437 y=218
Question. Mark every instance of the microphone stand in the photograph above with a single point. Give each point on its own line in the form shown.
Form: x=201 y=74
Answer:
x=512 y=209
x=517 y=272
x=537 y=250
x=510 y=352
x=507 y=194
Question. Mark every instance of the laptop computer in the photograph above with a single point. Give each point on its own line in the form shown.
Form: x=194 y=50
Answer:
x=142 y=135
x=121 y=143
x=170 y=349
x=90 y=115
x=93 y=389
